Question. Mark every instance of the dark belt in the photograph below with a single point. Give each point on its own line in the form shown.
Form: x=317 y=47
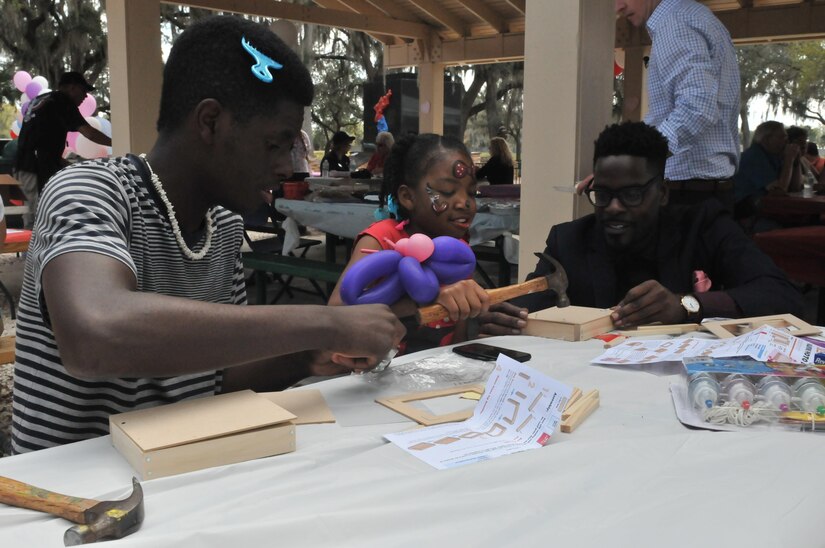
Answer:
x=701 y=185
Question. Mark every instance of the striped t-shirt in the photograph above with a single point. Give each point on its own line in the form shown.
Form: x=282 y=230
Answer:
x=109 y=207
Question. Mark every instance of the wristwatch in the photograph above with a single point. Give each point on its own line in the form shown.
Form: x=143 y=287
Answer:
x=692 y=306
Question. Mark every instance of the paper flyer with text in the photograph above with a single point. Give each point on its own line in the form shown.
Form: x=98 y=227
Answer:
x=764 y=344
x=520 y=410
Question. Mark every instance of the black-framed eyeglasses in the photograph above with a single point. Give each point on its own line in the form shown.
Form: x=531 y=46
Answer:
x=629 y=196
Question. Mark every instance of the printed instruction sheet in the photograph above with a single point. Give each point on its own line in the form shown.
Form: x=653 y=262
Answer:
x=764 y=344
x=520 y=410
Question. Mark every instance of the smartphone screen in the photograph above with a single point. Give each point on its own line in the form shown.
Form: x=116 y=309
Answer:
x=489 y=352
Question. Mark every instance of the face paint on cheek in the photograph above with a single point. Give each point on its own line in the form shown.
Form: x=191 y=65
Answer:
x=461 y=170
x=439 y=204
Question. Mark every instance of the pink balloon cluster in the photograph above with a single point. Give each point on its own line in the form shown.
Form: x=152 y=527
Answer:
x=418 y=266
x=31 y=87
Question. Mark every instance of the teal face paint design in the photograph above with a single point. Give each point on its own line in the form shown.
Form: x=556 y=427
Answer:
x=262 y=63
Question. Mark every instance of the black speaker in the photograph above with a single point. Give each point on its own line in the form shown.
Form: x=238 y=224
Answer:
x=402 y=112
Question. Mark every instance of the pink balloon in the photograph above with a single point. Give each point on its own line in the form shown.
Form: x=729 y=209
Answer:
x=401 y=246
x=21 y=80
x=71 y=140
x=32 y=89
x=420 y=247
x=88 y=106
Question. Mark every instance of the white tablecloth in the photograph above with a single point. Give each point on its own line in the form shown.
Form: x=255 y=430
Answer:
x=631 y=475
x=347 y=220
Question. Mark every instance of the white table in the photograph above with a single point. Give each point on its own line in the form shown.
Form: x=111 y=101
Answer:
x=631 y=475
x=347 y=220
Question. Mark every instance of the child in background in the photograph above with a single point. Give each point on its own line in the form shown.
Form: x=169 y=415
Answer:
x=429 y=187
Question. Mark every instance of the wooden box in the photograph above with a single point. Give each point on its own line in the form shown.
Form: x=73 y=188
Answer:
x=572 y=323
x=196 y=434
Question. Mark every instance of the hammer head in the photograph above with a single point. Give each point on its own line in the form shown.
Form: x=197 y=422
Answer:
x=109 y=519
x=556 y=280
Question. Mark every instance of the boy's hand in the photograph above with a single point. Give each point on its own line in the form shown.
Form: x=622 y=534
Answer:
x=502 y=319
x=366 y=333
x=646 y=303
x=464 y=299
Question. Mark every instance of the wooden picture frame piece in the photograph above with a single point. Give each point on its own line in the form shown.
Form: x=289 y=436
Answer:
x=661 y=329
x=571 y=323
x=402 y=404
x=726 y=329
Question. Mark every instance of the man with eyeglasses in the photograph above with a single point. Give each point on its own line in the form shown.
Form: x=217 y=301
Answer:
x=649 y=263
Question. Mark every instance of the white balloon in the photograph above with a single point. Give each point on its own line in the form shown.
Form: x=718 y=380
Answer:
x=44 y=91
x=42 y=81
x=89 y=149
x=105 y=127
x=94 y=122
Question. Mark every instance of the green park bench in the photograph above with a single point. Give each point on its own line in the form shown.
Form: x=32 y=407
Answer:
x=287 y=267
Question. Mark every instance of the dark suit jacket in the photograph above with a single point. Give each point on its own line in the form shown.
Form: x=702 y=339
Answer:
x=700 y=237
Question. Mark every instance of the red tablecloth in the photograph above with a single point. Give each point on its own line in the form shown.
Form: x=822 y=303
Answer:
x=799 y=252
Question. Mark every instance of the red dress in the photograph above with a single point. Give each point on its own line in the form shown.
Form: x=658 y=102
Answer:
x=426 y=336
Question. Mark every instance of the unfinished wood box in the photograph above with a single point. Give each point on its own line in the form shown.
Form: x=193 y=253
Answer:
x=202 y=433
x=572 y=323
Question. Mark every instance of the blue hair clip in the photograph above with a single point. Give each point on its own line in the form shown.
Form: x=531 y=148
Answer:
x=262 y=63
x=384 y=212
x=392 y=206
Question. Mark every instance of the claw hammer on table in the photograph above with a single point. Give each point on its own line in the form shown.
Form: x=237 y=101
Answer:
x=555 y=281
x=97 y=520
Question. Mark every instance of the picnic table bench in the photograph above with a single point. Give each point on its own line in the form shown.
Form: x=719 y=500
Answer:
x=287 y=265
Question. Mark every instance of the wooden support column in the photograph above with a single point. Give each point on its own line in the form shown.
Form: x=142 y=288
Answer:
x=635 y=83
x=135 y=72
x=568 y=90
x=431 y=98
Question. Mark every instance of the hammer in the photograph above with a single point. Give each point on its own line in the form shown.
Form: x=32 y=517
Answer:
x=555 y=281
x=98 y=520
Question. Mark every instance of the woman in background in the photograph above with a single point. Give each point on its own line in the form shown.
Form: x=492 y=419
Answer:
x=383 y=144
x=499 y=168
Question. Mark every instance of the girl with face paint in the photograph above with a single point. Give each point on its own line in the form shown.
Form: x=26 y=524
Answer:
x=429 y=188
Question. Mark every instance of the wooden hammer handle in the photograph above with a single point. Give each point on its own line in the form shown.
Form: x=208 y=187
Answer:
x=23 y=495
x=435 y=312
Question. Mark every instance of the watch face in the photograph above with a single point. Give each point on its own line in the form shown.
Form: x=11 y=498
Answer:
x=690 y=304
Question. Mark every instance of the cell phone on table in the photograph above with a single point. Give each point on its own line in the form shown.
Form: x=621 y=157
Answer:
x=489 y=353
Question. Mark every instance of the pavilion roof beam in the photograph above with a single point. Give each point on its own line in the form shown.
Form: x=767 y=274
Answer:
x=395 y=10
x=370 y=9
x=319 y=16
x=520 y=5
x=471 y=50
x=486 y=14
x=363 y=6
x=446 y=18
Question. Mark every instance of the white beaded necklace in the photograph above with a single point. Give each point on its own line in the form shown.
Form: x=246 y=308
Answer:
x=170 y=209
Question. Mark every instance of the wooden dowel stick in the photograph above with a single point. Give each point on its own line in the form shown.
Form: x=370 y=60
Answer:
x=572 y=409
x=613 y=342
x=581 y=414
x=574 y=397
